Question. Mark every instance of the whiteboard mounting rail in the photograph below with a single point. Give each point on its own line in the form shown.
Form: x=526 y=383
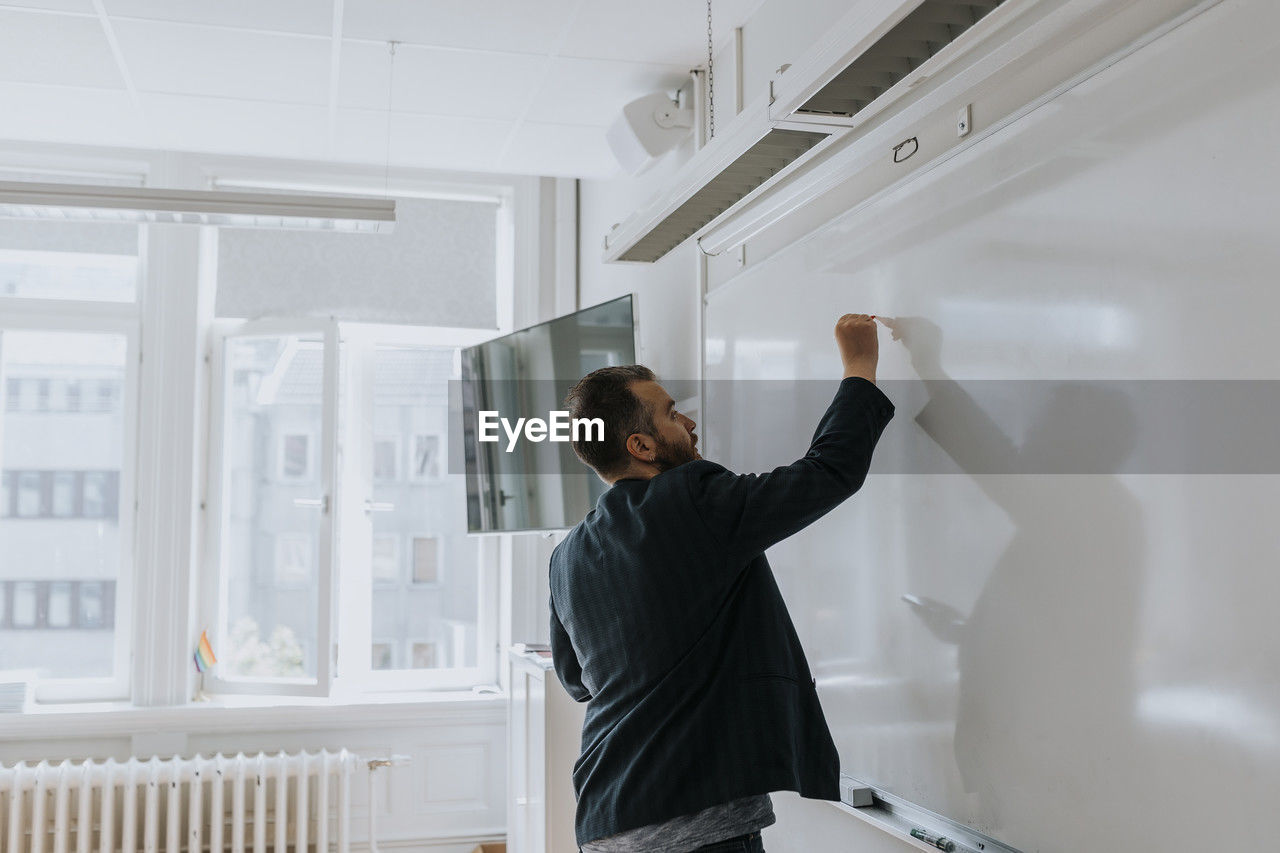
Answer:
x=899 y=817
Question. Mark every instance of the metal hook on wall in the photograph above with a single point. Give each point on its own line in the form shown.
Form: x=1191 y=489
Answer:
x=897 y=149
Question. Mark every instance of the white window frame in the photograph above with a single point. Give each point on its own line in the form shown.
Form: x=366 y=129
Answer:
x=114 y=318
x=351 y=674
x=214 y=579
x=347 y=669
x=356 y=636
x=150 y=664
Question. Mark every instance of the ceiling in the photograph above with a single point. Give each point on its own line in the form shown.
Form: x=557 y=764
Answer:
x=518 y=86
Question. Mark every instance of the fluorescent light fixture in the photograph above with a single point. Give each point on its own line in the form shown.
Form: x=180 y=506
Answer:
x=96 y=203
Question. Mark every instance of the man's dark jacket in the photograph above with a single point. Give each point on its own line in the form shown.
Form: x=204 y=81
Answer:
x=666 y=619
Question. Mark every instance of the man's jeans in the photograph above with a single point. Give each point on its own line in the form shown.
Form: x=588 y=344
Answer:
x=749 y=843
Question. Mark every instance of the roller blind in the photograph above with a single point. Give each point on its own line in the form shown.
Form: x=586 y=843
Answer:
x=437 y=268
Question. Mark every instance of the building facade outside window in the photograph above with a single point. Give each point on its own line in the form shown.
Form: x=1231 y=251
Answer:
x=69 y=326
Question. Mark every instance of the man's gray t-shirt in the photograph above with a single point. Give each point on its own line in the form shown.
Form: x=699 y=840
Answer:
x=691 y=831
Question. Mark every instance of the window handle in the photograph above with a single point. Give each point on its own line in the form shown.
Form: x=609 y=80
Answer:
x=371 y=506
x=321 y=504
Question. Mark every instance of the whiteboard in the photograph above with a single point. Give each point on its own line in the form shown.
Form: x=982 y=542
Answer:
x=1063 y=661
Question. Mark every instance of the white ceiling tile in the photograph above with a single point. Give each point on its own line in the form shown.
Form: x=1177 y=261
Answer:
x=63 y=114
x=519 y=27
x=229 y=126
x=559 y=150
x=441 y=82
x=592 y=91
x=64 y=50
x=248 y=77
x=423 y=141
x=190 y=60
x=85 y=6
x=290 y=16
x=656 y=31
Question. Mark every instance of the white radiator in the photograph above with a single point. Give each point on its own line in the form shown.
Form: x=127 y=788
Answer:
x=281 y=802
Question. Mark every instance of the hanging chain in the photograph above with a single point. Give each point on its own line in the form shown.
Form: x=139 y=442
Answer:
x=391 y=85
x=711 y=80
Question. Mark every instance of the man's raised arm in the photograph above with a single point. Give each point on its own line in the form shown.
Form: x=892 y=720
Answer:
x=750 y=512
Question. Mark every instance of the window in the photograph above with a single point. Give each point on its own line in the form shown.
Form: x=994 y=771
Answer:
x=423 y=656
x=353 y=524
x=386 y=449
x=383 y=656
x=43 y=369
x=24 y=604
x=386 y=559
x=30 y=495
x=47 y=605
x=293 y=560
x=69 y=318
x=426 y=457
x=59 y=615
x=354 y=416
x=409 y=397
x=273 y=531
x=108 y=393
x=298 y=523
x=91 y=606
x=94 y=492
x=295 y=456
x=64 y=494
x=426 y=559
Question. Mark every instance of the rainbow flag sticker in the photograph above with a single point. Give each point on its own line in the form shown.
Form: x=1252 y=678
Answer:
x=204 y=654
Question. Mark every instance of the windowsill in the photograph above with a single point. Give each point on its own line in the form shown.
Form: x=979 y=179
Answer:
x=232 y=713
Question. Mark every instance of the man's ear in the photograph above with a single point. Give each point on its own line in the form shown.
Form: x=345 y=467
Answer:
x=640 y=446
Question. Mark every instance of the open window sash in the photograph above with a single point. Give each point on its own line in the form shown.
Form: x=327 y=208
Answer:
x=357 y=621
x=273 y=507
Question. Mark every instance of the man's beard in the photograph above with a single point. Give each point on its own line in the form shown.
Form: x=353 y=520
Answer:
x=669 y=454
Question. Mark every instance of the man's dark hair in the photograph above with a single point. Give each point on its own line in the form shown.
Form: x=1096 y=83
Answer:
x=606 y=394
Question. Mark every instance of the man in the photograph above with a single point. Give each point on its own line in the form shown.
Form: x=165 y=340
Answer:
x=665 y=616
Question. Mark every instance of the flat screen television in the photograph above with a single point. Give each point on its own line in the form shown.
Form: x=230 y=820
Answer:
x=523 y=484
